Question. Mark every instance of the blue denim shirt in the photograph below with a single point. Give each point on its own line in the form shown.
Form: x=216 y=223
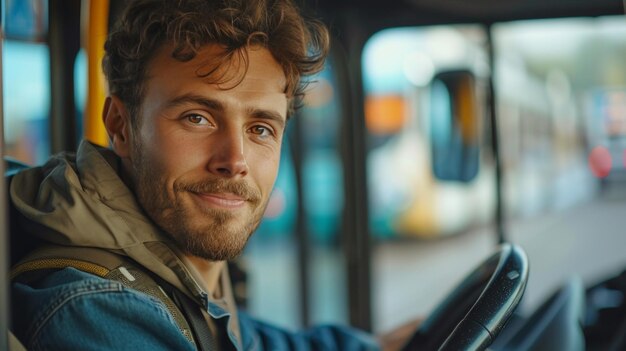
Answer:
x=73 y=310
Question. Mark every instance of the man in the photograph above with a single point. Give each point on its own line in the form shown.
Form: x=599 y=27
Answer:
x=200 y=93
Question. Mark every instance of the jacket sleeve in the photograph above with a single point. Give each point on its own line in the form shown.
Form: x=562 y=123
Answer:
x=91 y=314
x=258 y=335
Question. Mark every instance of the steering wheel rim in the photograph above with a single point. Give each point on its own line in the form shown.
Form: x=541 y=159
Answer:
x=475 y=311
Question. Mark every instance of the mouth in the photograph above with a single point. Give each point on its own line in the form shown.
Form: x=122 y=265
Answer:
x=220 y=200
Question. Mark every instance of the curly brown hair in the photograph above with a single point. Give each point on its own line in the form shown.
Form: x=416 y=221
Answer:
x=300 y=46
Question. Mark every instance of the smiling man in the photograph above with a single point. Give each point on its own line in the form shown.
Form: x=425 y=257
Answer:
x=130 y=243
x=212 y=148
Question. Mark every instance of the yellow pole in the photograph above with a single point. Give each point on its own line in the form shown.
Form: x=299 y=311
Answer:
x=96 y=32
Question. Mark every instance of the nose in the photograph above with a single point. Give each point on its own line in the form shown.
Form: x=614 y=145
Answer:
x=228 y=156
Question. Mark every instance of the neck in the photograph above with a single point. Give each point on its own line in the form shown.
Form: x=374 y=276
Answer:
x=208 y=272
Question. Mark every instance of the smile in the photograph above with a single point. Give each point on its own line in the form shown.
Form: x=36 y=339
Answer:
x=220 y=200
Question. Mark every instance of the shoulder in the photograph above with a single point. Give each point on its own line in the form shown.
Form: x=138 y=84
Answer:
x=70 y=309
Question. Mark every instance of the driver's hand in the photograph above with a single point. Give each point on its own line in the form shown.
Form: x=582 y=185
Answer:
x=395 y=339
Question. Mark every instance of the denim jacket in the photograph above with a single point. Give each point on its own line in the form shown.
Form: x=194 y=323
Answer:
x=73 y=310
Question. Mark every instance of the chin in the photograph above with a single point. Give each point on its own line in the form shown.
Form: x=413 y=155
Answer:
x=213 y=245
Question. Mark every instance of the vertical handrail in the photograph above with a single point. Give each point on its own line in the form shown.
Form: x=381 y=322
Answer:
x=96 y=14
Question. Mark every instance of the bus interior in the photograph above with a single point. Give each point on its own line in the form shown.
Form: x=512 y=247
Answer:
x=439 y=133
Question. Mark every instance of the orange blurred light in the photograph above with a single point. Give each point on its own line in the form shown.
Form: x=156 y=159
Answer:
x=385 y=114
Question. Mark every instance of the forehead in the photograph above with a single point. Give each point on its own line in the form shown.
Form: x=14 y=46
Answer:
x=249 y=69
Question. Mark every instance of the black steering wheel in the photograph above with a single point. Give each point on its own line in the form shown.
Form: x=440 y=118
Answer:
x=475 y=312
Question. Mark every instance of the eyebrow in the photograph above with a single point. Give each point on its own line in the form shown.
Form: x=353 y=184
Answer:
x=218 y=106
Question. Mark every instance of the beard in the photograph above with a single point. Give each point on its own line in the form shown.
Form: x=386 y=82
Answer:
x=209 y=233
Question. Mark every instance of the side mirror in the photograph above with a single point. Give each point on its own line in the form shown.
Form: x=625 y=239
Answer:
x=454 y=126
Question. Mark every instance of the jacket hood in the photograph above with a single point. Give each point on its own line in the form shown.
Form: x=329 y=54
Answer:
x=80 y=200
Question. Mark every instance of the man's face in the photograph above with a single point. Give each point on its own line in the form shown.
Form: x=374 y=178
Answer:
x=205 y=156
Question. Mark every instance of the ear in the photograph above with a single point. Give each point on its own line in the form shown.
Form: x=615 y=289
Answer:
x=117 y=123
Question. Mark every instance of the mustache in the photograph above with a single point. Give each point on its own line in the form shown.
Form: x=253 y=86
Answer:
x=237 y=187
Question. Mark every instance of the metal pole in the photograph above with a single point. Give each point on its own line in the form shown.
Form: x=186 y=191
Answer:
x=495 y=140
x=64 y=43
x=302 y=232
x=356 y=235
x=4 y=238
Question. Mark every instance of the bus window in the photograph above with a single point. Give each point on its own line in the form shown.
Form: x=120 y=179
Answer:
x=26 y=74
x=562 y=114
x=26 y=78
x=411 y=156
x=580 y=87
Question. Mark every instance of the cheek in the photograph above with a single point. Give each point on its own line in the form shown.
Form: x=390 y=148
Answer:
x=168 y=154
x=266 y=169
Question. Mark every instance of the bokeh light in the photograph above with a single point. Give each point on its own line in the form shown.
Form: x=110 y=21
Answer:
x=600 y=161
